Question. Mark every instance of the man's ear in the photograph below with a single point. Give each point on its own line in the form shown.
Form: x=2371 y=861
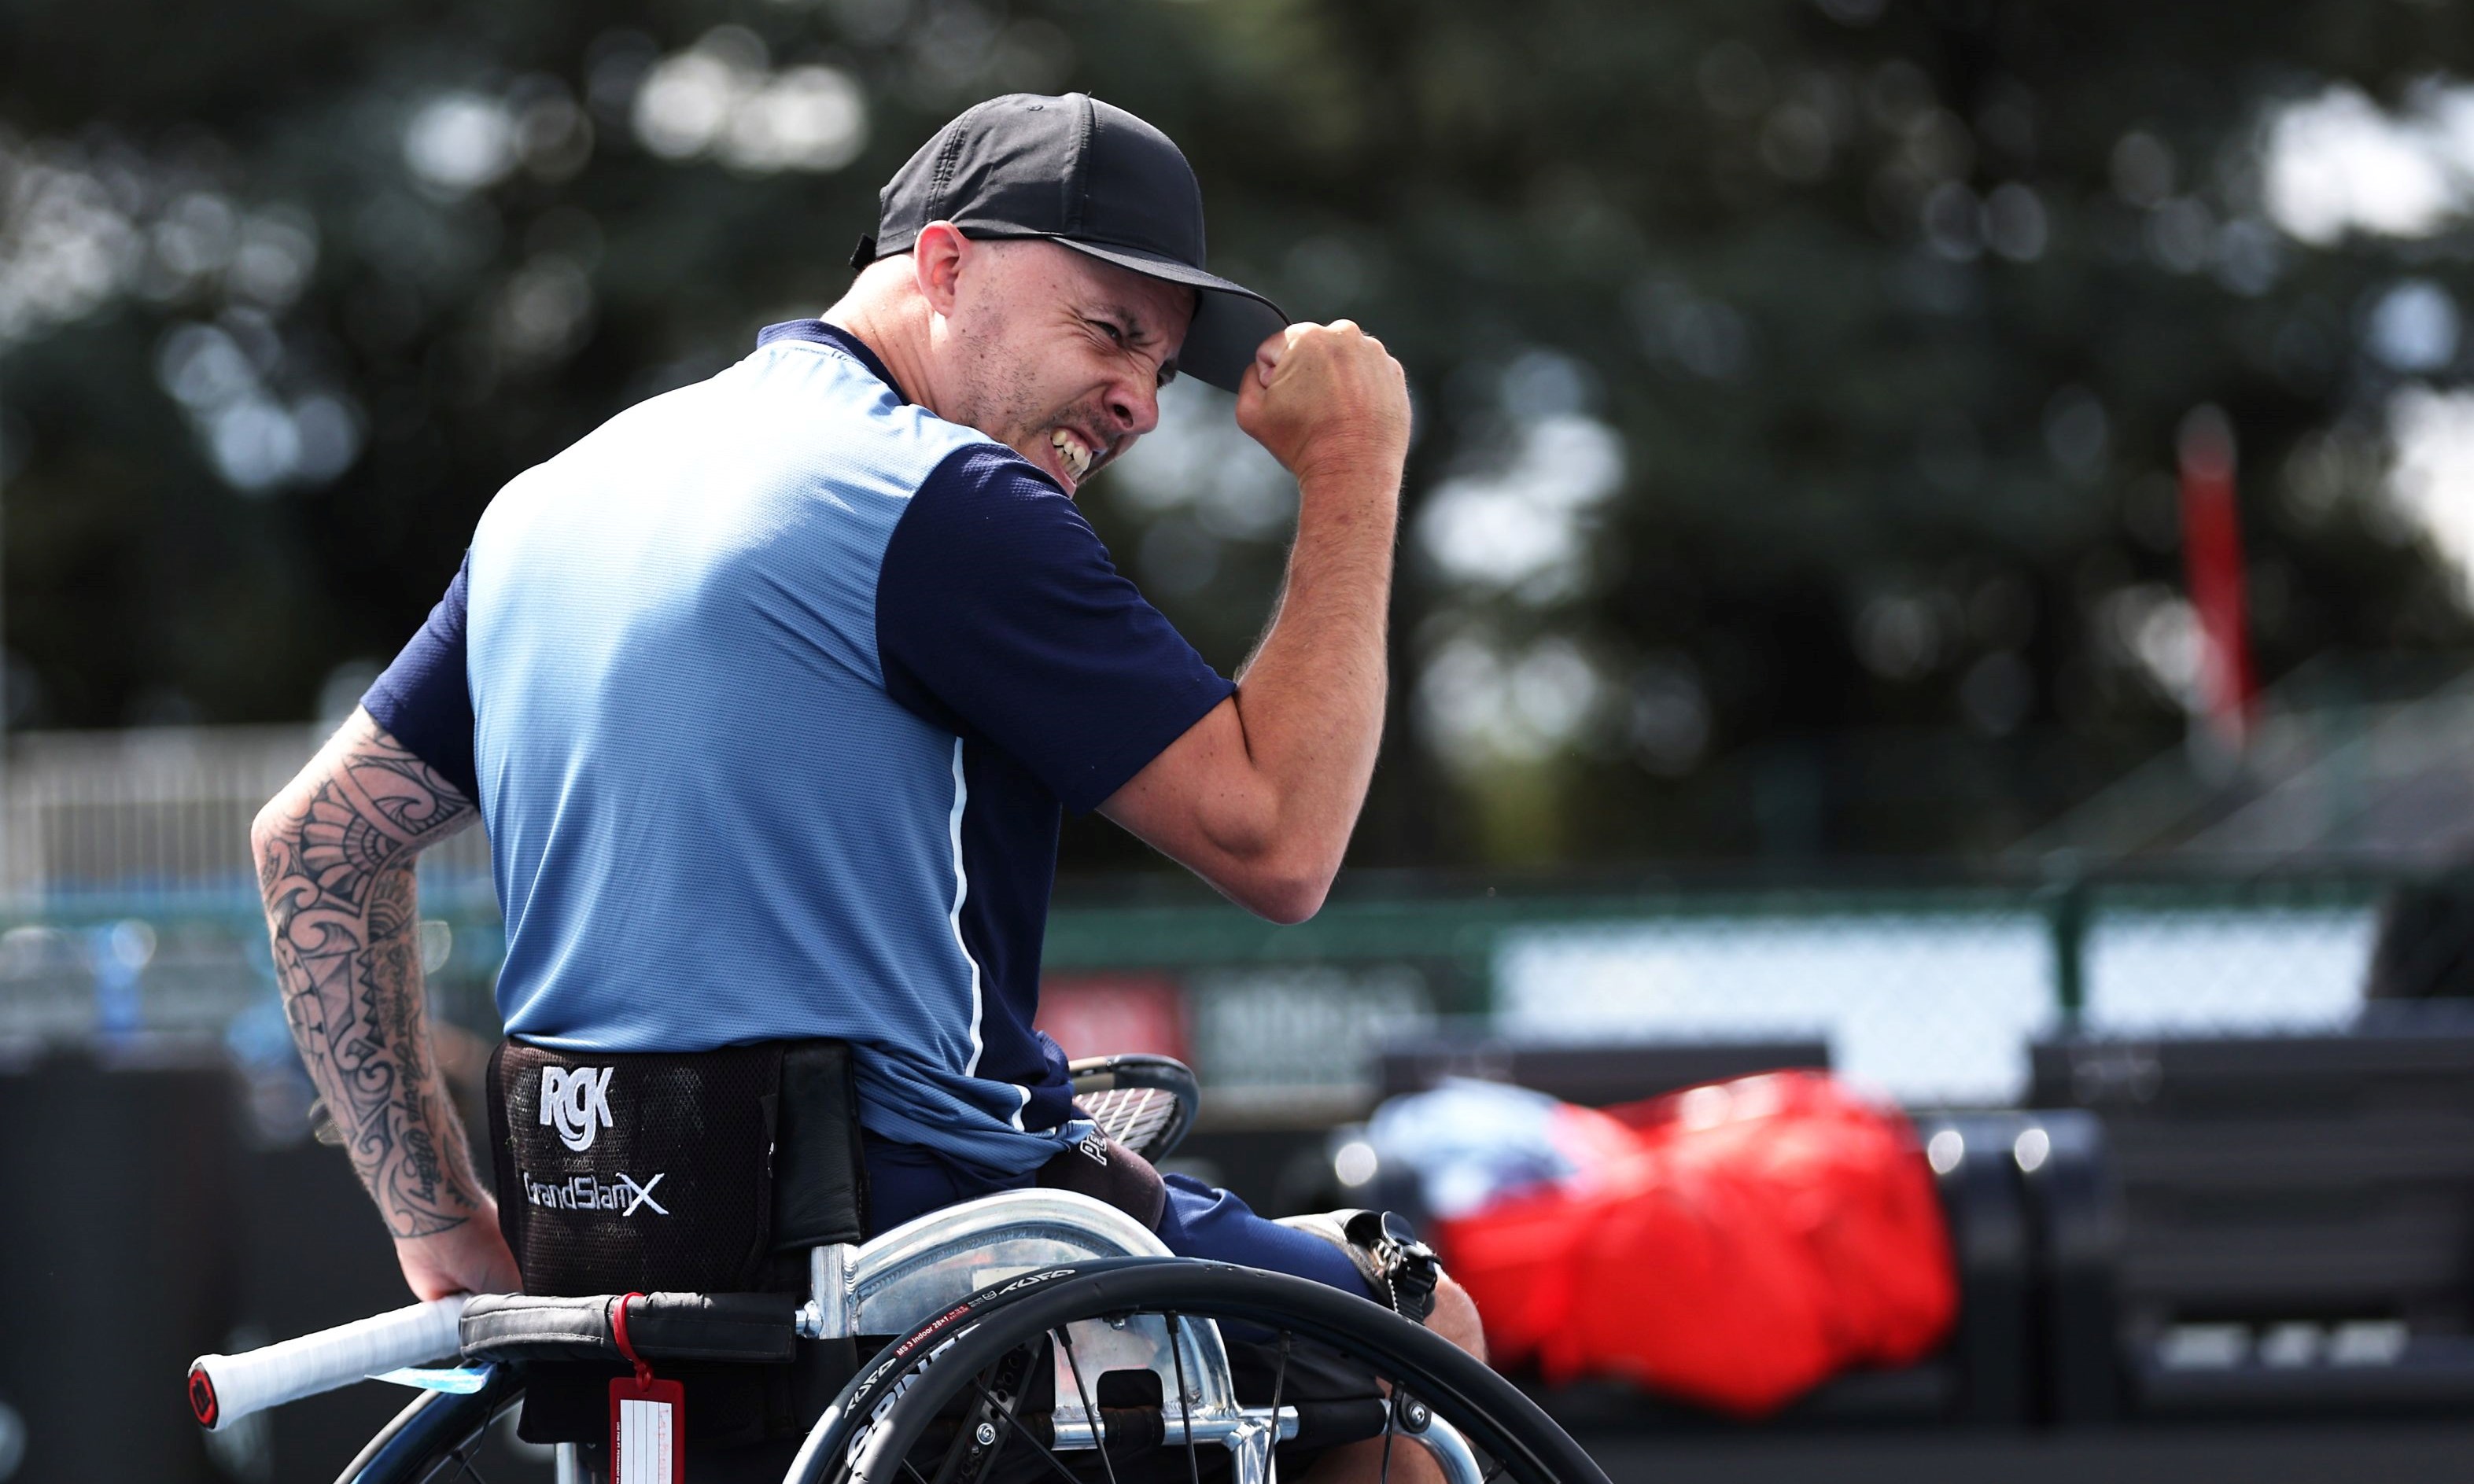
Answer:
x=936 y=264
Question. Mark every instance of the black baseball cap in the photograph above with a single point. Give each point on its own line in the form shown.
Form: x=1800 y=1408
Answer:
x=1088 y=175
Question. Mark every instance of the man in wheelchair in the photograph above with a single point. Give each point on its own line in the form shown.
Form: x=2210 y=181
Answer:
x=770 y=692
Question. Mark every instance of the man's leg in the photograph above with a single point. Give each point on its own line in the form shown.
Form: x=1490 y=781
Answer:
x=1199 y=1221
x=1455 y=1319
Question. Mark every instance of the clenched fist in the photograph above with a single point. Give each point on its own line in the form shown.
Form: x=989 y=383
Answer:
x=1326 y=399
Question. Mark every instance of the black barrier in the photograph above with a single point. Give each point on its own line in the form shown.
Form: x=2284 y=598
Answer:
x=2073 y=1209
x=119 y=1229
x=141 y=1225
x=2296 y=1231
x=1987 y=1358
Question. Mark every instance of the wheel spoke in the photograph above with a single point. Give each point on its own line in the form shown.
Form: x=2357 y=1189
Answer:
x=1027 y=1436
x=1090 y=1414
x=463 y=1457
x=1185 y=1405
x=1280 y=1379
x=960 y=1448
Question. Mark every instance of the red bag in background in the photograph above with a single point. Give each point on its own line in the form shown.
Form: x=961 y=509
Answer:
x=1734 y=1245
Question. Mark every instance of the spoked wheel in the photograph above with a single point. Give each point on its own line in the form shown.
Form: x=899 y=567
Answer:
x=433 y=1439
x=1002 y=1387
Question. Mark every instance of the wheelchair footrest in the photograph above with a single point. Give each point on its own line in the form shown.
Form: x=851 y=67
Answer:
x=749 y=1327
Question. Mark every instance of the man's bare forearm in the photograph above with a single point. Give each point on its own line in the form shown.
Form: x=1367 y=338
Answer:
x=335 y=853
x=1260 y=796
x=1333 y=407
x=1312 y=697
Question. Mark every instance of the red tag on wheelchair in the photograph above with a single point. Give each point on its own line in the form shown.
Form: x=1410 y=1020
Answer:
x=649 y=1443
x=648 y=1431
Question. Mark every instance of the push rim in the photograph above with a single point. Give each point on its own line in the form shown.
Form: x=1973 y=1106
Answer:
x=938 y=1362
x=434 y=1429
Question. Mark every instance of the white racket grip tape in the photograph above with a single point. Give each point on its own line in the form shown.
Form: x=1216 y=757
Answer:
x=224 y=1389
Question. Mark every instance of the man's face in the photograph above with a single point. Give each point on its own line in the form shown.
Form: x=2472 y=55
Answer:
x=1058 y=355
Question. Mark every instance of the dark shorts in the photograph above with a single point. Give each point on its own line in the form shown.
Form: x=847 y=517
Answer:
x=904 y=1181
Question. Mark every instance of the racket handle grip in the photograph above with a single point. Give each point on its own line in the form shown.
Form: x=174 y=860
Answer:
x=224 y=1389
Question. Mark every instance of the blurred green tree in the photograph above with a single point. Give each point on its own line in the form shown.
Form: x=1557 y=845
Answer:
x=1797 y=378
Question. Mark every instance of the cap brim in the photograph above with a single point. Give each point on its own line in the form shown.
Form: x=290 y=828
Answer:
x=1231 y=320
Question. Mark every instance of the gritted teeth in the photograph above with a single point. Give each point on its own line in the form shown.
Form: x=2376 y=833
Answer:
x=1076 y=453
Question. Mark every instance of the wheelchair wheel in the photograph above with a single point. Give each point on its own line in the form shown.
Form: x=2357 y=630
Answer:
x=959 y=1399
x=433 y=1439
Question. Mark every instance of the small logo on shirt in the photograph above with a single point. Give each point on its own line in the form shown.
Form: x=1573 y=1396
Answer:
x=578 y=1099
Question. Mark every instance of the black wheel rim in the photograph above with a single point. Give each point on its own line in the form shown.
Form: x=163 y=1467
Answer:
x=1527 y=1445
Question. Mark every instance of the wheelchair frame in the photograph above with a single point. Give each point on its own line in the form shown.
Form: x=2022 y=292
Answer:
x=907 y=1278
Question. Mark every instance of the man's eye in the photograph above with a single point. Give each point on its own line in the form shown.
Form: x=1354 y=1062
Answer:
x=1116 y=336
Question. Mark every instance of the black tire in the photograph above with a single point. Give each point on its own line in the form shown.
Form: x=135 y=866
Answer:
x=434 y=1432
x=936 y=1364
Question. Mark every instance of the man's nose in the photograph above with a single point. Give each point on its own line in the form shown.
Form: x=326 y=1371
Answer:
x=1135 y=407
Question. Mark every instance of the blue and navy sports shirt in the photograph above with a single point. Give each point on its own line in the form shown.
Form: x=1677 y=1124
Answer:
x=770 y=690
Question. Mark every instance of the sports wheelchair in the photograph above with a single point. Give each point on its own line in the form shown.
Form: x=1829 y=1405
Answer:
x=1031 y=1334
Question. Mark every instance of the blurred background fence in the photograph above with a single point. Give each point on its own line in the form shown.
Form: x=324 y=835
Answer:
x=132 y=912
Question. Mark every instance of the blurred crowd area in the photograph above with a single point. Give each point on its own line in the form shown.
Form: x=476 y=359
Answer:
x=1800 y=382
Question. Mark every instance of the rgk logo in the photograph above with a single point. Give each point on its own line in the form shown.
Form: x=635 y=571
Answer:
x=578 y=1099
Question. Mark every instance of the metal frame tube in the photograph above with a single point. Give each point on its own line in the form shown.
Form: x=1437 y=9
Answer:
x=1451 y=1452
x=827 y=1313
x=1226 y=1428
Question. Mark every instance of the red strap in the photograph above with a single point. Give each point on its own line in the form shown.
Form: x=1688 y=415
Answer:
x=619 y=1332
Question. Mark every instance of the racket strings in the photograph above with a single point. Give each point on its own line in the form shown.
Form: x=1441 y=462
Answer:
x=1132 y=1117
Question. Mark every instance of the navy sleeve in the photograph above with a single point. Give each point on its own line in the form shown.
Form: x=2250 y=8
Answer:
x=999 y=612
x=425 y=699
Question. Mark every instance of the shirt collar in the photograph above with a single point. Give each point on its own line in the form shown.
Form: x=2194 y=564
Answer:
x=818 y=332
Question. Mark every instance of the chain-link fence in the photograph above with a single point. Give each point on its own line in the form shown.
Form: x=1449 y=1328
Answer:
x=1933 y=996
x=1928 y=995
x=126 y=856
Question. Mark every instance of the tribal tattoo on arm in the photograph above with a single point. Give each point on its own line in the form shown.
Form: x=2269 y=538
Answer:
x=335 y=853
